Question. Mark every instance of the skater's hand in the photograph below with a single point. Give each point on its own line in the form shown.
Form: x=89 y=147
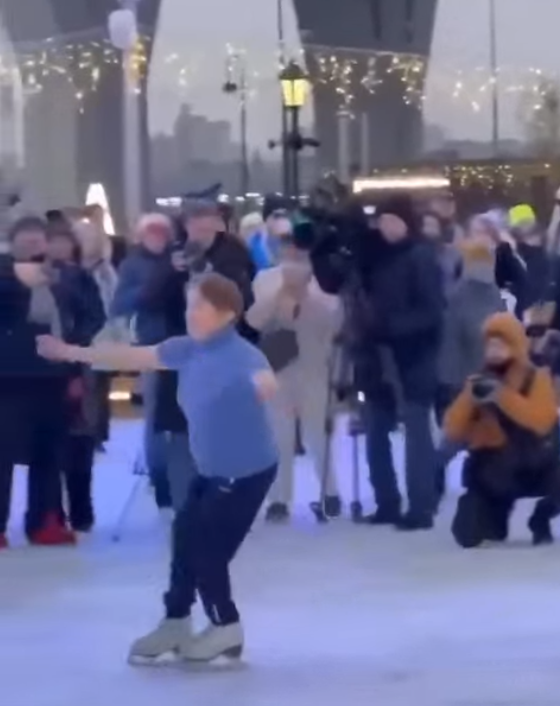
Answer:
x=266 y=384
x=53 y=348
x=30 y=274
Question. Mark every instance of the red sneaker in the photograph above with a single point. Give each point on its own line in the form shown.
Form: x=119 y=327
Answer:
x=53 y=534
x=3 y=542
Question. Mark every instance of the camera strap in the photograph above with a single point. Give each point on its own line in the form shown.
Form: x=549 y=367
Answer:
x=528 y=381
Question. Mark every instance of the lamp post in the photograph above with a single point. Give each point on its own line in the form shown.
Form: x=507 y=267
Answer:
x=295 y=88
x=493 y=51
x=237 y=85
x=123 y=31
x=281 y=37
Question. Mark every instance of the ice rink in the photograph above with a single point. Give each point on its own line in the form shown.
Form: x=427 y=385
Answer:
x=334 y=615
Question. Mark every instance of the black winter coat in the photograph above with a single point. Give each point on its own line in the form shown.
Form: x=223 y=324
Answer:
x=540 y=275
x=19 y=361
x=227 y=256
x=395 y=300
x=511 y=274
x=82 y=314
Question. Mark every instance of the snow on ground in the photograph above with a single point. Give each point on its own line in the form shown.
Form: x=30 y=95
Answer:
x=334 y=614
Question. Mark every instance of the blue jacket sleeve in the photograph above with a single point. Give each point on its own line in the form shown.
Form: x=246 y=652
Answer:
x=129 y=291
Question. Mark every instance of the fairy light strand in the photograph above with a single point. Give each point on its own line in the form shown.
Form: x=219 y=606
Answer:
x=348 y=72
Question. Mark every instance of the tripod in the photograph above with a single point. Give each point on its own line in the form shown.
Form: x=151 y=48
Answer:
x=340 y=381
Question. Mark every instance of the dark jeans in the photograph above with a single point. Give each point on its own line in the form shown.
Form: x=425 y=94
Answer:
x=207 y=534
x=32 y=423
x=102 y=389
x=77 y=473
x=420 y=458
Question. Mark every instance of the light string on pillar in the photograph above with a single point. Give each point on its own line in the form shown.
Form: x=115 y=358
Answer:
x=83 y=59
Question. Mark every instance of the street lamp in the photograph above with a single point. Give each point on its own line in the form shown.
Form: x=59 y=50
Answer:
x=237 y=85
x=281 y=38
x=123 y=32
x=295 y=86
x=295 y=89
x=494 y=72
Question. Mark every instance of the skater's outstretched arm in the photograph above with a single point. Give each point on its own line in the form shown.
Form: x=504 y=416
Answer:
x=111 y=356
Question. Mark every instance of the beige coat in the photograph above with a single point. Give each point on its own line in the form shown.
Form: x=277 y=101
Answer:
x=316 y=326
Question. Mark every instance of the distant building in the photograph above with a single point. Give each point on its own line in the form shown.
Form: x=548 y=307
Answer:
x=199 y=138
x=435 y=137
x=452 y=150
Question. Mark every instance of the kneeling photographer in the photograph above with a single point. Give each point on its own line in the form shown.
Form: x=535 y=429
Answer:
x=391 y=284
x=507 y=418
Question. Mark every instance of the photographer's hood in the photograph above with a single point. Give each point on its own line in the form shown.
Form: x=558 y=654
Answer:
x=510 y=330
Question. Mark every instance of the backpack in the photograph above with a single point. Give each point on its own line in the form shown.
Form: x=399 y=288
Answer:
x=530 y=452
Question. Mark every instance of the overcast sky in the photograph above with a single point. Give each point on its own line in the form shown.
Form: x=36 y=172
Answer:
x=199 y=31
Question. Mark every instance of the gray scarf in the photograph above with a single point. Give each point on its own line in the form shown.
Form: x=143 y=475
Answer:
x=43 y=309
x=479 y=271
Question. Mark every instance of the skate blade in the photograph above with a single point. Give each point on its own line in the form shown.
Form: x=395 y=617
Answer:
x=229 y=659
x=167 y=659
x=219 y=664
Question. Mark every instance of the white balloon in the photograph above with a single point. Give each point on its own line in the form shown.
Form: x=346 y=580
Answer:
x=123 y=29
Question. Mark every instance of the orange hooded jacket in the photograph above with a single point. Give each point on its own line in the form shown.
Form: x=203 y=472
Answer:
x=478 y=427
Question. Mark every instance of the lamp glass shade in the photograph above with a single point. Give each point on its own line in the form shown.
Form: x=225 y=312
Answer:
x=295 y=86
x=123 y=29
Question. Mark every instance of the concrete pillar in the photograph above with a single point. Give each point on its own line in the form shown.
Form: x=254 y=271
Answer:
x=67 y=149
x=361 y=36
x=50 y=147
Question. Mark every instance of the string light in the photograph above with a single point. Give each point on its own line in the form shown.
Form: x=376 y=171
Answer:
x=488 y=176
x=405 y=181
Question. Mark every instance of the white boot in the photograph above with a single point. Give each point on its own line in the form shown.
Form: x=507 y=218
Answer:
x=213 y=642
x=169 y=637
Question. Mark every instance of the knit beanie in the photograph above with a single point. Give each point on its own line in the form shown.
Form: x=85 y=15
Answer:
x=521 y=215
x=251 y=221
x=274 y=202
x=402 y=207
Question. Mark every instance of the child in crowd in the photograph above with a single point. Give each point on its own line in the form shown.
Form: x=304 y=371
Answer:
x=223 y=384
x=507 y=418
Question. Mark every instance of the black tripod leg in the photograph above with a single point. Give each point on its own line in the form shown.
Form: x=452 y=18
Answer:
x=356 y=508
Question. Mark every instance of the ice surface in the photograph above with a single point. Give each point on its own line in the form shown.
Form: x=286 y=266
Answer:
x=335 y=615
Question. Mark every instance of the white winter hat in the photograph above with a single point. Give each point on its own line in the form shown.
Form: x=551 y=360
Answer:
x=251 y=221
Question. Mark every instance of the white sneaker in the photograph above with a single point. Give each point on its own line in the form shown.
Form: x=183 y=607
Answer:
x=169 y=637
x=214 y=642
